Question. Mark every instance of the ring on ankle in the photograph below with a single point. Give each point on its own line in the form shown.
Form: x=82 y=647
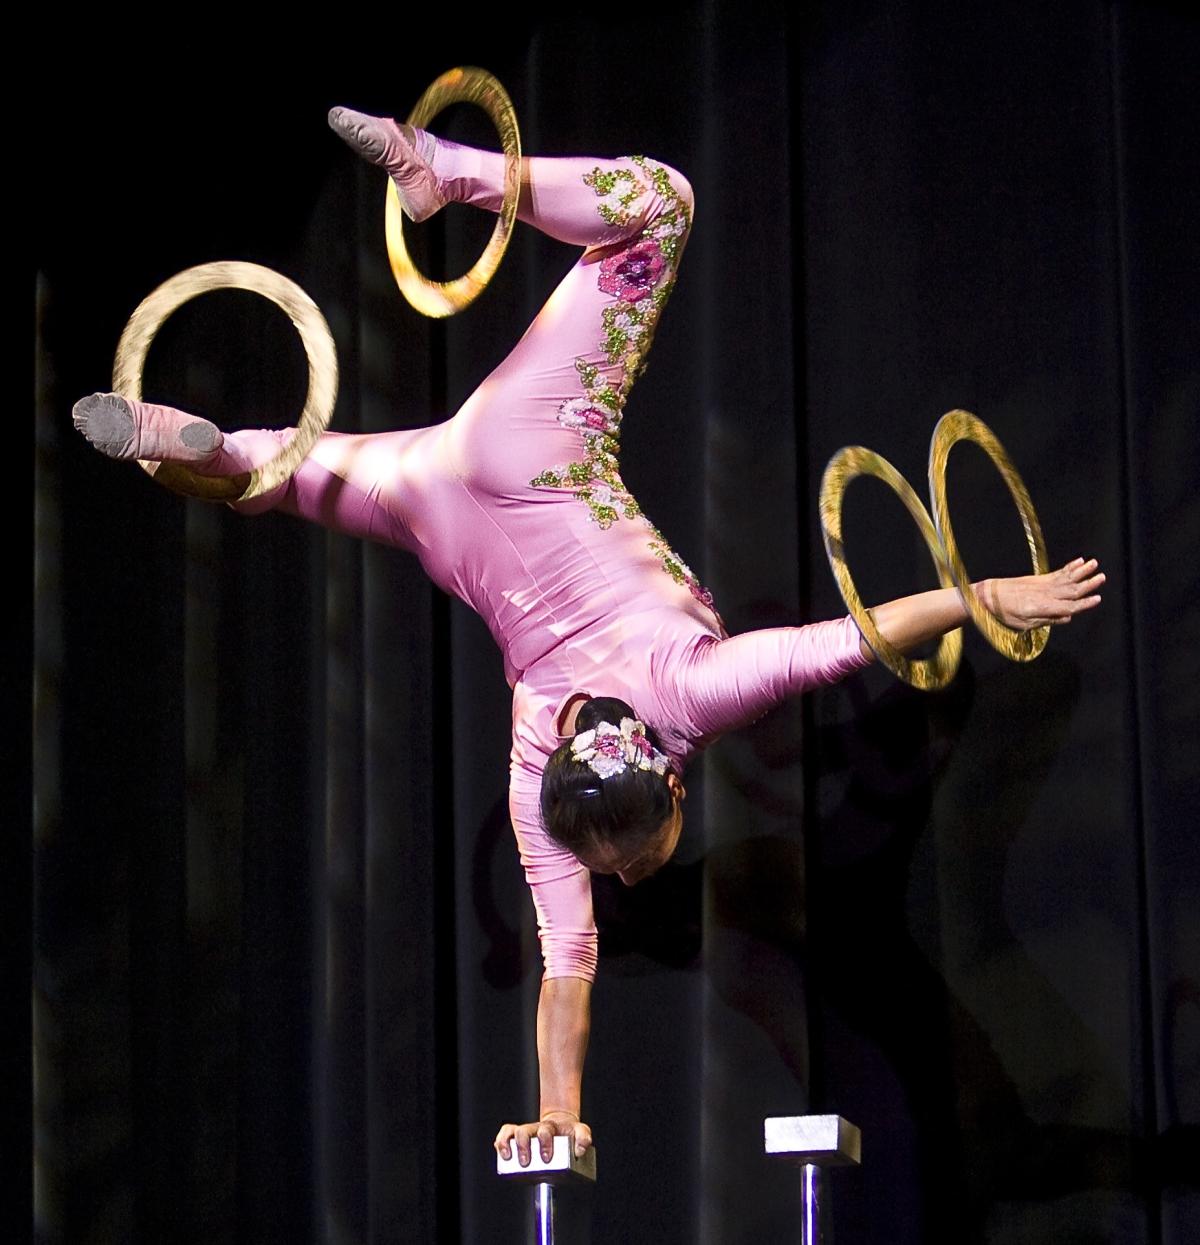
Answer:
x=148 y=318
x=444 y=298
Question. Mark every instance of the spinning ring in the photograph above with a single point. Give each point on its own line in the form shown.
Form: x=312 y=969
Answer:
x=958 y=426
x=444 y=298
x=143 y=326
x=930 y=673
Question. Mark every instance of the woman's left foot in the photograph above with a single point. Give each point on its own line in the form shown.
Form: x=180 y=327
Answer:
x=125 y=429
x=405 y=152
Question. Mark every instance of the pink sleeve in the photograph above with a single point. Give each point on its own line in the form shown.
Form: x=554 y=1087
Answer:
x=560 y=885
x=720 y=685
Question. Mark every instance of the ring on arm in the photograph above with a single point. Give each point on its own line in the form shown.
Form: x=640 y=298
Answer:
x=319 y=348
x=847 y=464
x=444 y=298
x=957 y=426
x=934 y=672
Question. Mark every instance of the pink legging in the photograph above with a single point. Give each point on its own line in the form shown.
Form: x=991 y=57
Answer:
x=632 y=216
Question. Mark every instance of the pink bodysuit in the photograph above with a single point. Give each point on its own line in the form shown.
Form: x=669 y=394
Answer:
x=516 y=506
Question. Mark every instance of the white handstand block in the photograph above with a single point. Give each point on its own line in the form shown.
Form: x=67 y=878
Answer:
x=824 y=1140
x=563 y=1166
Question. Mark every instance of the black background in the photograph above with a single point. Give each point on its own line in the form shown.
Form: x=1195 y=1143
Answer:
x=283 y=964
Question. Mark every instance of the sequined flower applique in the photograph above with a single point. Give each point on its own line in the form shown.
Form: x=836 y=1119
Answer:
x=639 y=277
x=588 y=413
x=631 y=275
x=595 y=478
x=679 y=570
x=618 y=190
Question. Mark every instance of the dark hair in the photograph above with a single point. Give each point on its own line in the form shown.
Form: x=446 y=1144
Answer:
x=581 y=810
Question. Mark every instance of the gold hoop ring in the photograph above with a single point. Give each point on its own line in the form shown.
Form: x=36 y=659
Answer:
x=319 y=347
x=444 y=298
x=957 y=426
x=930 y=673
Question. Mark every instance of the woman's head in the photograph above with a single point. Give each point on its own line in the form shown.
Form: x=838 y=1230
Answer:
x=610 y=796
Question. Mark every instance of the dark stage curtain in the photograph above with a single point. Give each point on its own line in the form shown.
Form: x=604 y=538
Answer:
x=283 y=960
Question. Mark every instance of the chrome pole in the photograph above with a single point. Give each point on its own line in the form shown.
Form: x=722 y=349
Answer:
x=812 y=1199
x=543 y=1213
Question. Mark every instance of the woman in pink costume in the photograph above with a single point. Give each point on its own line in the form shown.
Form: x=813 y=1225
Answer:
x=516 y=506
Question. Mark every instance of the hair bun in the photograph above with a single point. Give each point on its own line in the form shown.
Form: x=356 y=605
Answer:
x=601 y=709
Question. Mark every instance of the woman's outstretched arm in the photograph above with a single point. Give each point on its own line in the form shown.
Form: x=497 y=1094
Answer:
x=1021 y=603
x=721 y=685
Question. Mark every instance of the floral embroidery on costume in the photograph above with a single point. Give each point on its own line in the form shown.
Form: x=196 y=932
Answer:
x=589 y=413
x=679 y=570
x=617 y=189
x=640 y=278
x=632 y=274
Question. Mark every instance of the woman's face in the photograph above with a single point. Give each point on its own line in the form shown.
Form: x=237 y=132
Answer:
x=649 y=858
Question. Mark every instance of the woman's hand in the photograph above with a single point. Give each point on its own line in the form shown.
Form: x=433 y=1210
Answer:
x=553 y=1124
x=1027 y=601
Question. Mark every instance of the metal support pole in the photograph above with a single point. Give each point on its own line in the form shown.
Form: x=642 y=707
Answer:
x=815 y=1142
x=562 y=1168
x=543 y=1213
x=812 y=1197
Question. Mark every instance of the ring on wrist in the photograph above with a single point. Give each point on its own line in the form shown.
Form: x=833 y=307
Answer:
x=559 y=1111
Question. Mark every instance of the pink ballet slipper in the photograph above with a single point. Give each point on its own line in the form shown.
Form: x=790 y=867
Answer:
x=405 y=152
x=125 y=429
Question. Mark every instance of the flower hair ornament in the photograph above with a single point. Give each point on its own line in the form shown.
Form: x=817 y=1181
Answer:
x=610 y=749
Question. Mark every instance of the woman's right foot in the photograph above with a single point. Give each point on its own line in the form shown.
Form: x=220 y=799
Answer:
x=405 y=152
x=125 y=429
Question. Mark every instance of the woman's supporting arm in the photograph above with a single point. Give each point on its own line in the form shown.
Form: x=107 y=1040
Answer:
x=563 y=1024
